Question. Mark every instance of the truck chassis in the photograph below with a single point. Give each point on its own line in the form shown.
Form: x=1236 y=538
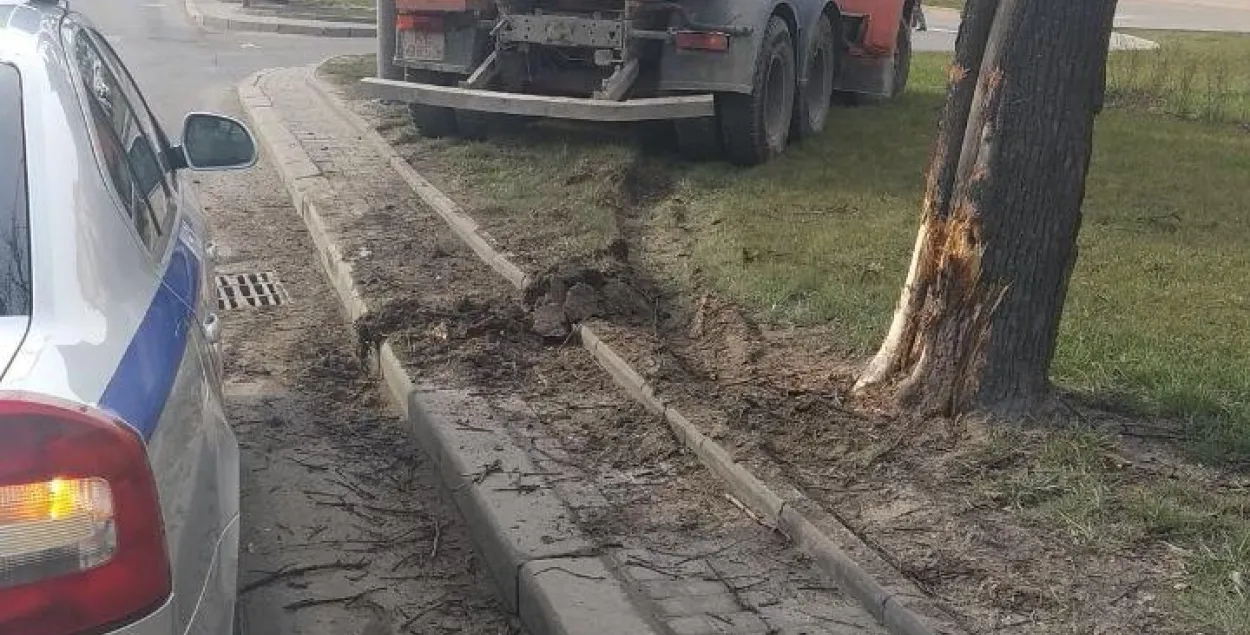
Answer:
x=738 y=78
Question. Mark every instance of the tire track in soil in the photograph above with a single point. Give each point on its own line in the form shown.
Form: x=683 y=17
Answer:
x=345 y=529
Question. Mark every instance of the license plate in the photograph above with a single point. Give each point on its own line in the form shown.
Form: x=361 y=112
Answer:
x=422 y=45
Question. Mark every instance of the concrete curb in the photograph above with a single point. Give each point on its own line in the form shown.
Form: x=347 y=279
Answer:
x=277 y=25
x=547 y=572
x=796 y=516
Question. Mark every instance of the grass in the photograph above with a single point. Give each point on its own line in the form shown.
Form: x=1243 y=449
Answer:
x=1077 y=483
x=360 y=5
x=345 y=7
x=1194 y=76
x=348 y=69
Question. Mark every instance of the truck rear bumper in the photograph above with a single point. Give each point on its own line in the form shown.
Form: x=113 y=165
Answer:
x=648 y=109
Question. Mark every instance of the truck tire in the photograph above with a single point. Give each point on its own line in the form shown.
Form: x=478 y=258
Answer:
x=698 y=139
x=432 y=121
x=756 y=127
x=811 y=105
x=902 y=61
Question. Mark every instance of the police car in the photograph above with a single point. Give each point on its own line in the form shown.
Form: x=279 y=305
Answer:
x=119 y=476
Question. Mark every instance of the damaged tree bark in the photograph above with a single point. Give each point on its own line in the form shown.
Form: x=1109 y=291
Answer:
x=976 y=326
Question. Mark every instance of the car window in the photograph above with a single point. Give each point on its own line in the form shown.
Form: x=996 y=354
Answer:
x=14 y=217
x=127 y=153
x=147 y=121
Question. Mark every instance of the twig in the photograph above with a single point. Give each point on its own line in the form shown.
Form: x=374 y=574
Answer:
x=632 y=561
x=749 y=512
x=404 y=561
x=347 y=599
x=520 y=489
x=284 y=573
x=310 y=466
x=438 y=535
x=572 y=573
x=429 y=607
x=393 y=510
x=359 y=491
x=687 y=558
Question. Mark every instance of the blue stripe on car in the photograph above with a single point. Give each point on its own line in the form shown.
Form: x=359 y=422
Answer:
x=145 y=376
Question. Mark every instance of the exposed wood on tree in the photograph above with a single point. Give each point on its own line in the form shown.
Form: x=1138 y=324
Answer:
x=977 y=322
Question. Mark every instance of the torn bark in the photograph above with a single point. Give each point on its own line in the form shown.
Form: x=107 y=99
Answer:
x=976 y=324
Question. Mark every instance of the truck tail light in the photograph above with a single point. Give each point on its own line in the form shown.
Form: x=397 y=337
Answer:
x=82 y=543
x=702 y=40
x=418 y=22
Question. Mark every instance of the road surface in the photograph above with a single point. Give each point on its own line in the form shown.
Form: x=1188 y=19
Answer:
x=1181 y=15
x=183 y=68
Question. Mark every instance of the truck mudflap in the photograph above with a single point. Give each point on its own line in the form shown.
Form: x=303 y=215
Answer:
x=646 y=109
x=871 y=76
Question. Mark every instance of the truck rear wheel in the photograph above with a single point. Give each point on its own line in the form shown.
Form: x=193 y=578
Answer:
x=756 y=127
x=811 y=106
x=902 y=60
x=432 y=121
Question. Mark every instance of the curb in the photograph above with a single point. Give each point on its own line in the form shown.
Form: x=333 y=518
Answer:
x=796 y=516
x=277 y=25
x=547 y=573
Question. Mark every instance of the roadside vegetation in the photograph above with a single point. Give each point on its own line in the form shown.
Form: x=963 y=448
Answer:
x=945 y=4
x=1154 y=326
x=328 y=9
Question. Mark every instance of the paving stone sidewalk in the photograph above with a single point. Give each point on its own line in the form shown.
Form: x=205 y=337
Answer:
x=704 y=569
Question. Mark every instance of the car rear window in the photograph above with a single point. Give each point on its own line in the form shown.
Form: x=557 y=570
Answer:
x=14 y=223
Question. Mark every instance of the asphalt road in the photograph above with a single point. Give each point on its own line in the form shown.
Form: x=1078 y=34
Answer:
x=182 y=68
x=1180 y=15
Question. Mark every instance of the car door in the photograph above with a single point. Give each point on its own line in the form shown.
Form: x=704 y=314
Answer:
x=191 y=449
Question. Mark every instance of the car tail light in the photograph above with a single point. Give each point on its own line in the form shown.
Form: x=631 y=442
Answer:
x=702 y=40
x=82 y=543
x=418 y=22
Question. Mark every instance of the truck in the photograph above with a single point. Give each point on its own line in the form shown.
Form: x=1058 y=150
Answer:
x=739 y=79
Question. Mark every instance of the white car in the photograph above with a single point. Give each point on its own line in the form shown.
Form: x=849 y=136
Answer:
x=119 y=476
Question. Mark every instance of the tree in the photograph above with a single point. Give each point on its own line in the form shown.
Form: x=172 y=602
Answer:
x=977 y=323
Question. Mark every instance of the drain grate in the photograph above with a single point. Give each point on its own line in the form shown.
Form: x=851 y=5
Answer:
x=249 y=289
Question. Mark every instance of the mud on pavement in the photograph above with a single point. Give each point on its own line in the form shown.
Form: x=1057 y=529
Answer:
x=344 y=528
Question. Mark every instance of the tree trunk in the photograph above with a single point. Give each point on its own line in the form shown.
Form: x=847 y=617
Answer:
x=976 y=326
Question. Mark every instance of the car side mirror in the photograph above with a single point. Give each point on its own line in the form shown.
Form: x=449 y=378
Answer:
x=214 y=142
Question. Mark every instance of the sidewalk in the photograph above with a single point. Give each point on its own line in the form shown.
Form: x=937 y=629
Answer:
x=943 y=26
x=230 y=17
x=587 y=511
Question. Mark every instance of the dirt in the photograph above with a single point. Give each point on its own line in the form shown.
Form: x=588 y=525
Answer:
x=922 y=493
x=345 y=530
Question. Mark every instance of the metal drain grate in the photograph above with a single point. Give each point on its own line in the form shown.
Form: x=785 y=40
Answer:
x=249 y=289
